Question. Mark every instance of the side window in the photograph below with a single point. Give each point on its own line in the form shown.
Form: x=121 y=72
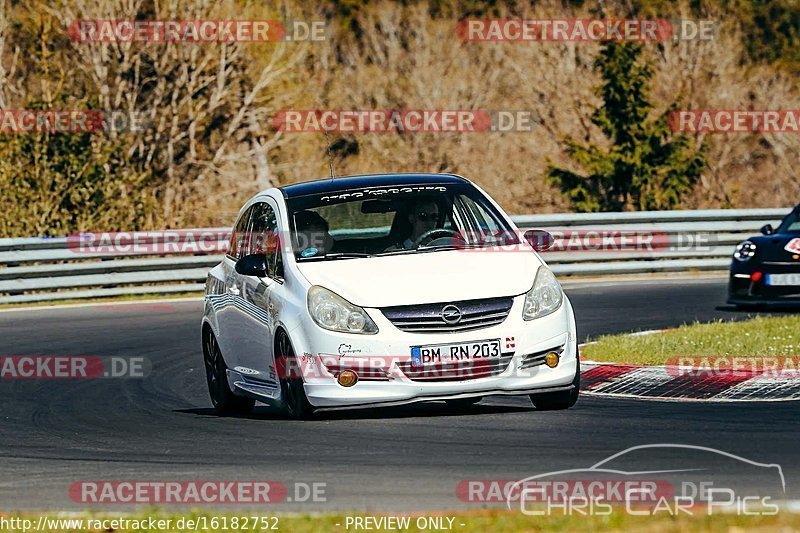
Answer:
x=478 y=221
x=484 y=219
x=264 y=235
x=462 y=218
x=275 y=263
x=792 y=221
x=262 y=228
x=239 y=234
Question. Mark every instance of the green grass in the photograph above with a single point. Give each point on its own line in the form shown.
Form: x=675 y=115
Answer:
x=761 y=336
x=480 y=521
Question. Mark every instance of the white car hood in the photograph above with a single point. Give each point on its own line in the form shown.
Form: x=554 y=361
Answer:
x=425 y=277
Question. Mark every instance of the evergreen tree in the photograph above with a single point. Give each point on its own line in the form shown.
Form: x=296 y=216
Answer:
x=647 y=166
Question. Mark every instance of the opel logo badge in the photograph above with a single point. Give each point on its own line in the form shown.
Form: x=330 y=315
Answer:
x=451 y=314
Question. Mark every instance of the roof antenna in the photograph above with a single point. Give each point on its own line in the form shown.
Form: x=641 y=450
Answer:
x=330 y=156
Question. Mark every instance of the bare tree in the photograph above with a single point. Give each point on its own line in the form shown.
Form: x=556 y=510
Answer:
x=202 y=104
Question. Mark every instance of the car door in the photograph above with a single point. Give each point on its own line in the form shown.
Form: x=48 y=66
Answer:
x=257 y=318
x=227 y=312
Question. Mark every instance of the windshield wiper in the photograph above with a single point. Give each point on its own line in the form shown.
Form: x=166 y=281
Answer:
x=397 y=252
x=426 y=249
x=442 y=247
x=420 y=249
x=461 y=246
x=336 y=255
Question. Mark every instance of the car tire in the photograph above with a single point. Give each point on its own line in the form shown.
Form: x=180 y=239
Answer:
x=555 y=401
x=463 y=403
x=222 y=397
x=293 y=395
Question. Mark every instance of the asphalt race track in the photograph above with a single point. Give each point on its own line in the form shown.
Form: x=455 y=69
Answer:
x=56 y=432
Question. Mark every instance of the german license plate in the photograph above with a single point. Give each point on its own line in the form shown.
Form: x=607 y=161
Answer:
x=783 y=279
x=436 y=354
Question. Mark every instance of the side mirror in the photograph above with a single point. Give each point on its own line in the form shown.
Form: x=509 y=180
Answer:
x=767 y=229
x=540 y=240
x=252 y=265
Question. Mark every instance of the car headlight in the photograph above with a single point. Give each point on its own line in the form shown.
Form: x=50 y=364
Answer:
x=745 y=251
x=545 y=296
x=331 y=311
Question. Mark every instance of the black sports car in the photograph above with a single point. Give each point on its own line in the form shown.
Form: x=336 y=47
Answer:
x=766 y=268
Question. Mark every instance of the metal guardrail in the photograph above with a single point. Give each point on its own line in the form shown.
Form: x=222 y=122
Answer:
x=50 y=269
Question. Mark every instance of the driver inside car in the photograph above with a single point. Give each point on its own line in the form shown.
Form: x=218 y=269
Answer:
x=312 y=233
x=423 y=216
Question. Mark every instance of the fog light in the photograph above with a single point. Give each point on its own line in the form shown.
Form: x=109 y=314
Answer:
x=551 y=359
x=347 y=378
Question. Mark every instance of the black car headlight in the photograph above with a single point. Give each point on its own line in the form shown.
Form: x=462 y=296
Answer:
x=745 y=251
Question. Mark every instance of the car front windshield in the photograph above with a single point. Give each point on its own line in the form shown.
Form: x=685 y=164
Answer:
x=394 y=220
x=791 y=224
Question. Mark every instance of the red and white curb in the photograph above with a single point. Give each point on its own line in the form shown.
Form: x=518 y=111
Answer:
x=682 y=384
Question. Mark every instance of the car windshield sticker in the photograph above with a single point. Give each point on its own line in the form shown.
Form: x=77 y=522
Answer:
x=382 y=191
x=309 y=252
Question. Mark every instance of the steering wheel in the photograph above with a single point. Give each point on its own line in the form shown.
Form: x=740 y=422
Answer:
x=435 y=234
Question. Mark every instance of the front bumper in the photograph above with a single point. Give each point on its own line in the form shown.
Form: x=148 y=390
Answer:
x=743 y=291
x=391 y=349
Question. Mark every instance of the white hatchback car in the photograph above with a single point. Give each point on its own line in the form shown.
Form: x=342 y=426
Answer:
x=384 y=290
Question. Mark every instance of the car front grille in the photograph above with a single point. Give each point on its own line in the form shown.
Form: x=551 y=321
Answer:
x=428 y=318
x=459 y=370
